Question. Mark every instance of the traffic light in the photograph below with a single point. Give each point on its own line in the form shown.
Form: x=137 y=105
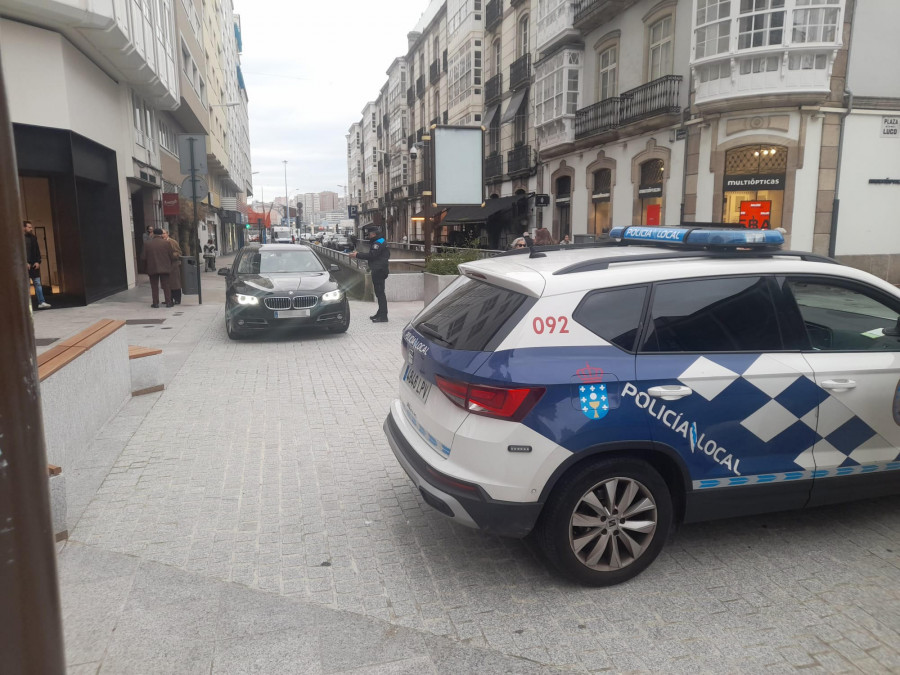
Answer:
x=247 y=226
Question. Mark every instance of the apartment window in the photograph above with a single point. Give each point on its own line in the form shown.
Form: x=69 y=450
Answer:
x=494 y=135
x=816 y=23
x=660 y=56
x=601 y=197
x=606 y=69
x=185 y=60
x=761 y=23
x=713 y=30
x=436 y=49
x=556 y=86
x=523 y=36
x=138 y=108
x=460 y=71
x=498 y=57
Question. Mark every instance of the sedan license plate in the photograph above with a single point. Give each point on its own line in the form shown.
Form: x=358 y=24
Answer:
x=291 y=313
x=417 y=382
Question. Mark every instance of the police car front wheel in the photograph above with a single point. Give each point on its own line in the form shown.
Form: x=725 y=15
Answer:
x=607 y=523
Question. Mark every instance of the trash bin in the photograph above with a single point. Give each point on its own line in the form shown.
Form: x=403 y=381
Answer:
x=189 y=275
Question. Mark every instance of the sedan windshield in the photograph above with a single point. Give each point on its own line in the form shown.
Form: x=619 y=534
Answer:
x=274 y=262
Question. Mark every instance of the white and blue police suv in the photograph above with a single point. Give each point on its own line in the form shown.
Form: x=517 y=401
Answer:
x=598 y=395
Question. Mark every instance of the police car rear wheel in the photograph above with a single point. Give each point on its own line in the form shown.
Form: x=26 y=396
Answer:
x=605 y=525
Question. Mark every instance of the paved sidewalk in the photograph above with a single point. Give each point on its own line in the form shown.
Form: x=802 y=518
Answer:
x=259 y=483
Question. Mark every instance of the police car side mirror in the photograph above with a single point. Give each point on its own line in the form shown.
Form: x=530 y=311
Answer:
x=895 y=331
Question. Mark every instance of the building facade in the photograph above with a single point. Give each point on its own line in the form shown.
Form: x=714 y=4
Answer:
x=98 y=95
x=754 y=113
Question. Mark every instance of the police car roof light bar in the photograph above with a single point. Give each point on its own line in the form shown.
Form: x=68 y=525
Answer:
x=688 y=252
x=684 y=237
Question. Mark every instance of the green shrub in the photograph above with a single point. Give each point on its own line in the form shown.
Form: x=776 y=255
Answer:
x=448 y=261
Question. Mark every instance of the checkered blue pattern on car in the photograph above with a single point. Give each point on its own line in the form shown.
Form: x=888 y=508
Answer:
x=791 y=405
x=425 y=434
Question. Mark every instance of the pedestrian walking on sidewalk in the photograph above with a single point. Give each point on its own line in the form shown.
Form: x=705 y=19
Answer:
x=157 y=255
x=209 y=256
x=33 y=257
x=378 y=256
x=175 y=274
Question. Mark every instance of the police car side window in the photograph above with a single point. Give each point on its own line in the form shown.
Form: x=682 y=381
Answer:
x=840 y=316
x=614 y=315
x=730 y=314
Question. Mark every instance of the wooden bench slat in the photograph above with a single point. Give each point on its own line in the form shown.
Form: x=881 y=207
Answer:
x=86 y=333
x=50 y=354
x=135 y=352
x=54 y=364
x=98 y=335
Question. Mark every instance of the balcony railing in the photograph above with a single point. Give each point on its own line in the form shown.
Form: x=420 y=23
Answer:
x=592 y=13
x=420 y=187
x=411 y=97
x=386 y=122
x=434 y=71
x=420 y=86
x=445 y=117
x=493 y=88
x=419 y=133
x=444 y=61
x=520 y=72
x=378 y=131
x=413 y=190
x=519 y=159
x=493 y=12
x=493 y=166
x=410 y=140
x=659 y=97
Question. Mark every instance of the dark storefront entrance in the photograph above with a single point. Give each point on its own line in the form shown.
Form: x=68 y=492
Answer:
x=70 y=191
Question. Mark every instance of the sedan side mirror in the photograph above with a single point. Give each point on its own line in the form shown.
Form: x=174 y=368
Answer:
x=334 y=268
x=223 y=271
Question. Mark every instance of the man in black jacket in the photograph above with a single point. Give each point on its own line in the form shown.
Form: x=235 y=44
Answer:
x=33 y=257
x=378 y=256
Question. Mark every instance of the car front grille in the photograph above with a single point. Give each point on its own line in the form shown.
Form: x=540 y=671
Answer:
x=278 y=303
x=305 y=301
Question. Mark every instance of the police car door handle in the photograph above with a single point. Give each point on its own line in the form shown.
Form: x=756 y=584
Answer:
x=670 y=392
x=839 y=385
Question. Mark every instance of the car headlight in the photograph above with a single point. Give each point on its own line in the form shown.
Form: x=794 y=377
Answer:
x=332 y=296
x=246 y=299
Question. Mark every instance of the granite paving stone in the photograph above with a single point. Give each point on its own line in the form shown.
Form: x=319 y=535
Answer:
x=295 y=493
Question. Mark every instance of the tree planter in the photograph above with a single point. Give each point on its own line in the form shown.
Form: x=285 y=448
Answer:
x=435 y=283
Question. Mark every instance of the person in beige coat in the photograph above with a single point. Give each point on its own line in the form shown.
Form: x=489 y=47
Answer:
x=175 y=274
x=157 y=256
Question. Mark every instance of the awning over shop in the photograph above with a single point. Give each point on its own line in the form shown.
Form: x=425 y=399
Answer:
x=478 y=214
x=515 y=103
x=489 y=116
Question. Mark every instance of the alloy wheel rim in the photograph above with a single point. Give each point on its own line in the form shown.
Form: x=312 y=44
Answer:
x=612 y=524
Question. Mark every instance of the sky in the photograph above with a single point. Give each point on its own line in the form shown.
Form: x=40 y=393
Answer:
x=310 y=67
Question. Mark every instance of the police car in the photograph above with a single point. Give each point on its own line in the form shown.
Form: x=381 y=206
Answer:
x=599 y=395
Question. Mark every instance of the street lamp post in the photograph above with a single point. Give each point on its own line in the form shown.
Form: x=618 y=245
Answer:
x=287 y=201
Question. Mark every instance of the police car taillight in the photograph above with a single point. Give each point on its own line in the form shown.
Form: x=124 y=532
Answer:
x=511 y=404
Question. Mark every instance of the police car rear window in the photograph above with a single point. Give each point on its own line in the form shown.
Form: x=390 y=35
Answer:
x=614 y=315
x=470 y=316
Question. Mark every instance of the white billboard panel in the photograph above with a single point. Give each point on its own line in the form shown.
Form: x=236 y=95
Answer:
x=458 y=165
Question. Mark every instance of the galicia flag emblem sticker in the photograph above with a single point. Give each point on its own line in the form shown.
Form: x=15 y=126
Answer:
x=592 y=393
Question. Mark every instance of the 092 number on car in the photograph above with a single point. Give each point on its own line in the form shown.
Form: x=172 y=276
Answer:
x=550 y=324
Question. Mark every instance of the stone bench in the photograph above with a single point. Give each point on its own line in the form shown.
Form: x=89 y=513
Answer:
x=84 y=381
x=146 y=370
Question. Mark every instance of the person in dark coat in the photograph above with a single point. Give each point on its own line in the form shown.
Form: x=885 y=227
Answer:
x=378 y=257
x=157 y=255
x=175 y=274
x=33 y=257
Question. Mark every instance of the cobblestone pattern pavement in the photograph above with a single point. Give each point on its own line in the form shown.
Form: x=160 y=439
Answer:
x=264 y=463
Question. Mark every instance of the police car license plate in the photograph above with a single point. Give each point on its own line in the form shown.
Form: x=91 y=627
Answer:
x=417 y=382
x=291 y=313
